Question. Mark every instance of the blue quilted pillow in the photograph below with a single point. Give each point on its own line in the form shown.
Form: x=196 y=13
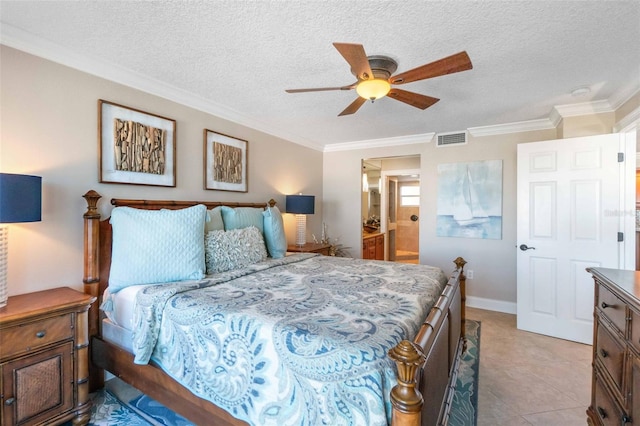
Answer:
x=156 y=246
x=274 y=235
x=242 y=217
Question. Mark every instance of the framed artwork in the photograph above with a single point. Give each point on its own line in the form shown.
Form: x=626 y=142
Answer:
x=225 y=162
x=136 y=147
x=470 y=200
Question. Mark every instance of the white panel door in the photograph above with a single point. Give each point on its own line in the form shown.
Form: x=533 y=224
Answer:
x=568 y=193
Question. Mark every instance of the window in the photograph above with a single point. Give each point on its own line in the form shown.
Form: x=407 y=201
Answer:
x=409 y=196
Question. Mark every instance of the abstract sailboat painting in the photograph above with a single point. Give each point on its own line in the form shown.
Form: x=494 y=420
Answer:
x=470 y=200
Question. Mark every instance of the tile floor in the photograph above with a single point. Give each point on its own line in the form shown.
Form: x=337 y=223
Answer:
x=527 y=378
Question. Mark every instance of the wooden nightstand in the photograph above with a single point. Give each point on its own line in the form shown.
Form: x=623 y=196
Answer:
x=310 y=248
x=44 y=364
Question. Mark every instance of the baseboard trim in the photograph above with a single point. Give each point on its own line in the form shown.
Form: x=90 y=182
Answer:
x=491 y=304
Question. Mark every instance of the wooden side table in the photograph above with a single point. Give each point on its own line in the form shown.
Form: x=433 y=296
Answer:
x=44 y=364
x=310 y=248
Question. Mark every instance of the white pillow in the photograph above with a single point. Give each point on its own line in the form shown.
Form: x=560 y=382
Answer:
x=156 y=246
x=234 y=249
x=274 y=235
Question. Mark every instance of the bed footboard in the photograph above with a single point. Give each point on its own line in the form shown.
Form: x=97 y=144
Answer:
x=428 y=365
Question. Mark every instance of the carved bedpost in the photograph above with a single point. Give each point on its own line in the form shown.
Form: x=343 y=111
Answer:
x=460 y=262
x=91 y=277
x=272 y=202
x=406 y=400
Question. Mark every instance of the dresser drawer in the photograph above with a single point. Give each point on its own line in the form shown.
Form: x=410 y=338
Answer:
x=610 y=352
x=605 y=407
x=29 y=336
x=612 y=307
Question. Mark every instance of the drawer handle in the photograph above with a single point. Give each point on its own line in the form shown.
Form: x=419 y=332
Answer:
x=603 y=353
x=602 y=413
x=41 y=334
x=605 y=305
x=9 y=401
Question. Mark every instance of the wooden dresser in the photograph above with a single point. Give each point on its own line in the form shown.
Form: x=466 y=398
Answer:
x=615 y=391
x=44 y=358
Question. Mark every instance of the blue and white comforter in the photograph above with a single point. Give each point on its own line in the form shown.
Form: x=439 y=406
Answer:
x=296 y=341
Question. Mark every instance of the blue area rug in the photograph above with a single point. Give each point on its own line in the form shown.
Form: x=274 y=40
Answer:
x=158 y=412
x=108 y=410
x=464 y=407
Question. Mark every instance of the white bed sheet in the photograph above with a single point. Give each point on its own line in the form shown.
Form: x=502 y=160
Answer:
x=117 y=326
x=123 y=305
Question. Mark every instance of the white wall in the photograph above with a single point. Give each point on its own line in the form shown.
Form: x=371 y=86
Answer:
x=493 y=261
x=49 y=119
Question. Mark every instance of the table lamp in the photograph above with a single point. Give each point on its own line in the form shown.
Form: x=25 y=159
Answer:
x=300 y=205
x=20 y=201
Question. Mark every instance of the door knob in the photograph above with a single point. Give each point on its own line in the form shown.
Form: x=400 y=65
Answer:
x=413 y=217
x=524 y=247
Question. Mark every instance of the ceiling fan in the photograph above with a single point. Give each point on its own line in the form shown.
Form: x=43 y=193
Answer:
x=374 y=74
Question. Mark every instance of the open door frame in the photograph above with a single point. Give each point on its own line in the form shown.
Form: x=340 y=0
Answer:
x=384 y=201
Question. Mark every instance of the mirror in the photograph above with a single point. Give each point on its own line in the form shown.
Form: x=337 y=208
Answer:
x=371 y=175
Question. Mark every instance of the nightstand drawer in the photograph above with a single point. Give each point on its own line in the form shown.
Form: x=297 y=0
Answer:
x=29 y=336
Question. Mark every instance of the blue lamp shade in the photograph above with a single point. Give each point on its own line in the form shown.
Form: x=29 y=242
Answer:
x=20 y=198
x=299 y=204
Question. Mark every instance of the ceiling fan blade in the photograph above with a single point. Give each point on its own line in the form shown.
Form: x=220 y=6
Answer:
x=356 y=57
x=354 y=106
x=449 y=65
x=322 y=89
x=414 y=99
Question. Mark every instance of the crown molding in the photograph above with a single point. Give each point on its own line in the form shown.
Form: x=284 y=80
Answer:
x=27 y=42
x=518 y=127
x=583 y=108
x=381 y=143
x=628 y=121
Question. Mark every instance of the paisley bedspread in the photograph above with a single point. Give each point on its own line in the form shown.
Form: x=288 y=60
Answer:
x=296 y=341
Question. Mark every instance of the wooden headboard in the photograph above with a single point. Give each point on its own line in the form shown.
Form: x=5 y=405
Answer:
x=97 y=241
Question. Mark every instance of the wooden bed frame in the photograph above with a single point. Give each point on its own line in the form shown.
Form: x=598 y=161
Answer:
x=427 y=366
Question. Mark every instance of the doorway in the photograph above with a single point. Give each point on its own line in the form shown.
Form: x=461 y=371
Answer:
x=391 y=208
x=407 y=228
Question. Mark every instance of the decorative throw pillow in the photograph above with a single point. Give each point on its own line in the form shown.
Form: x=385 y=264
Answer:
x=242 y=217
x=214 y=220
x=156 y=246
x=274 y=235
x=234 y=249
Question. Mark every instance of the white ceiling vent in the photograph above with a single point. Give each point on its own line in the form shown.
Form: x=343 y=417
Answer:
x=453 y=138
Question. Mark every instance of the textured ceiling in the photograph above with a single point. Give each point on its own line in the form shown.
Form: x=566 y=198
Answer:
x=236 y=58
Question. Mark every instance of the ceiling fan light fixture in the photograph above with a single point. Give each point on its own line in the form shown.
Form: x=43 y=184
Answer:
x=373 y=89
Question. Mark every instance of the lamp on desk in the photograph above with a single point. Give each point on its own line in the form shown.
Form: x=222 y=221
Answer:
x=300 y=205
x=20 y=201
